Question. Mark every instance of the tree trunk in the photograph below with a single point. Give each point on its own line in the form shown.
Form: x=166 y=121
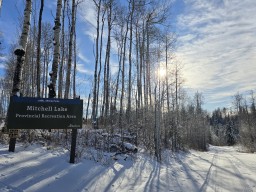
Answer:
x=33 y=55
x=44 y=75
x=138 y=69
x=130 y=62
x=74 y=70
x=120 y=51
x=105 y=106
x=87 y=108
x=56 y=54
x=20 y=51
x=166 y=76
x=99 y=73
x=148 y=65
x=123 y=73
x=38 y=55
x=108 y=59
x=94 y=101
x=46 y=71
x=145 y=72
x=71 y=35
x=60 y=82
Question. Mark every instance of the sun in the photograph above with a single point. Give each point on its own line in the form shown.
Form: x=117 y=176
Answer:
x=161 y=72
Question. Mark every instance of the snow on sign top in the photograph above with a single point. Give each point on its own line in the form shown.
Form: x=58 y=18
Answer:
x=41 y=113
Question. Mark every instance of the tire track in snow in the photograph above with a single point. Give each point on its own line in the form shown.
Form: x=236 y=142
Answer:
x=223 y=175
x=212 y=173
x=188 y=174
x=248 y=170
x=239 y=175
x=242 y=164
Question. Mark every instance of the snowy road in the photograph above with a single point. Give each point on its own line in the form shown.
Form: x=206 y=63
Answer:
x=231 y=171
x=35 y=168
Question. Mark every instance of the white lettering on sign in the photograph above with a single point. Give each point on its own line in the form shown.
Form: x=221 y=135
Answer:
x=48 y=108
x=53 y=116
x=71 y=116
x=41 y=108
x=27 y=116
x=60 y=109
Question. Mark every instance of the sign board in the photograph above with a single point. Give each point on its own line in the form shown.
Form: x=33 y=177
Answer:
x=42 y=113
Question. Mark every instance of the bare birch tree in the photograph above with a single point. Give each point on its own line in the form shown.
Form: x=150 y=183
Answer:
x=60 y=82
x=56 y=54
x=21 y=50
x=96 y=80
x=131 y=10
x=75 y=56
x=38 y=55
x=70 y=54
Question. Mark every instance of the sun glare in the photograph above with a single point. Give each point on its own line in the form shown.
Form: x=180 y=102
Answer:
x=161 y=72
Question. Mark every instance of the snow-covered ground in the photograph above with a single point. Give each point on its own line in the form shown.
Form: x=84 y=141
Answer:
x=34 y=168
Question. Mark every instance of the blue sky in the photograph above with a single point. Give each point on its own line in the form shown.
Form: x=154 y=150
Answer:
x=216 y=44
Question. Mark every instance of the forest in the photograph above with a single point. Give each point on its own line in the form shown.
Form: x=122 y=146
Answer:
x=144 y=101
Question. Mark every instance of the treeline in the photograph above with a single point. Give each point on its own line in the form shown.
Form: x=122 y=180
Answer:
x=237 y=126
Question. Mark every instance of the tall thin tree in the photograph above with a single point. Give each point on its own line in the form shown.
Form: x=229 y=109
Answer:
x=70 y=54
x=131 y=7
x=38 y=53
x=75 y=59
x=20 y=52
x=60 y=82
x=56 y=54
x=94 y=100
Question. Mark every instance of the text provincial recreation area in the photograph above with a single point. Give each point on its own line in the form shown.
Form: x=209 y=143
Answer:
x=45 y=116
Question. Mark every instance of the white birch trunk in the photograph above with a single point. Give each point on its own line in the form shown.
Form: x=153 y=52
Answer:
x=95 y=93
x=61 y=71
x=38 y=53
x=20 y=51
x=56 y=54
x=67 y=88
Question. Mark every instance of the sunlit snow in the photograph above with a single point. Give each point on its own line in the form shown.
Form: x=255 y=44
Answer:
x=34 y=168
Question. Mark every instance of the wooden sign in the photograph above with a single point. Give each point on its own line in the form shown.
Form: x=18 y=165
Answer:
x=42 y=113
